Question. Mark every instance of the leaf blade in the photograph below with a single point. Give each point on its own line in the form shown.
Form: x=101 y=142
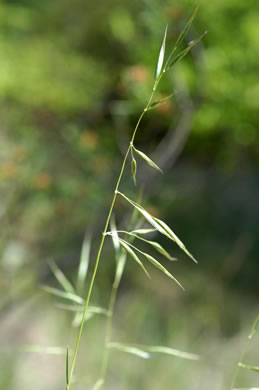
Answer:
x=162 y=269
x=174 y=237
x=83 y=264
x=130 y=349
x=161 y=101
x=120 y=268
x=134 y=169
x=61 y=278
x=67 y=371
x=184 y=52
x=143 y=231
x=186 y=28
x=147 y=159
x=98 y=384
x=161 y=55
x=63 y=294
x=173 y=352
x=115 y=238
x=125 y=245
x=251 y=368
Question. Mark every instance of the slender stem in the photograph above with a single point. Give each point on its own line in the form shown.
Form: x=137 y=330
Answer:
x=95 y=271
x=102 y=242
x=243 y=353
x=108 y=332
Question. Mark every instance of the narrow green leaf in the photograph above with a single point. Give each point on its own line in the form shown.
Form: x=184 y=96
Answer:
x=161 y=250
x=154 y=244
x=61 y=278
x=78 y=318
x=133 y=255
x=63 y=294
x=147 y=216
x=143 y=231
x=173 y=352
x=252 y=368
x=115 y=238
x=44 y=350
x=147 y=159
x=161 y=55
x=160 y=226
x=120 y=268
x=170 y=234
x=161 y=268
x=98 y=384
x=80 y=308
x=91 y=312
x=134 y=169
x=155 y=263
x=83 y=264
x=186 y=28
x=159 y=102
x=184 y=52
x=255 y=328
x=134 y=221
x=129 y=349
x=67 y=371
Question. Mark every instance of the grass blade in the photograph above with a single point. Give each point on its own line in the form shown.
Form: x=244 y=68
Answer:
x=98 y=385
x=156 y=263
x=148 y=217
x=172 y=352
x=120 y=268
x=83 y=264
x=147 y=159
x=159 y=102
x=161 y=55
x=143 y=231
x=170 y=234
x=161 y=250
x=154 y=244
x=134 y=169
x=133 y=255
x=252 y=368
x=80 y=308
x=67 y=371
x=184 y=52
x=131 y=350
x=161 y=268
x=61 y=278
x=63 y=294
x=160 y=226
x=186 y=28
x=78 y=319
x=115 y=239
x=91 y=312
x=255 y=328
x=43 y=350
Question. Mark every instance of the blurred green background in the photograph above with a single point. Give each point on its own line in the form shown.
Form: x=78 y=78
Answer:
x=74 y=77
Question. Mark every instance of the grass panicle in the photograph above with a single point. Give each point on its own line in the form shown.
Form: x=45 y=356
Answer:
x=123 y=247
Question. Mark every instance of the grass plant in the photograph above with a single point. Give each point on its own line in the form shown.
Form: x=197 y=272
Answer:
x=124 y=240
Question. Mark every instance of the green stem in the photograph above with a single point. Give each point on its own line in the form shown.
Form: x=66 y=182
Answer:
x=108 y=332
x=243 y=353
x=102 y=242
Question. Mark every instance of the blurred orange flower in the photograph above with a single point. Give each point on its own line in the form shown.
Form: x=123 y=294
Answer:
x=139 y=73
x=42 y=181
x=88 y=139
x=9 y=170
